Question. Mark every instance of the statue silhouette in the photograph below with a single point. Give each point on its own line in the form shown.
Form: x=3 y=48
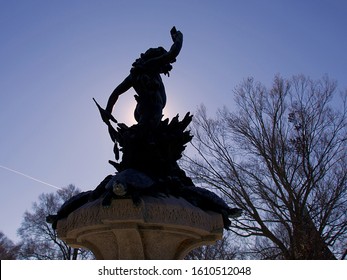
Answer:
x=145 y=79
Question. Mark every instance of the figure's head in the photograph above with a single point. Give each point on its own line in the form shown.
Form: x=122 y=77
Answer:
x=152 y=53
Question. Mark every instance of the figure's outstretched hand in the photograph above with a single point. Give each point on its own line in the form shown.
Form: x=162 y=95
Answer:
x=176 y=35
x=105 y=115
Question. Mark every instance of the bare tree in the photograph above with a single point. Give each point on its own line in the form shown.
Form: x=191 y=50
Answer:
x=281 y=157
x=8 y=250
x=39 y=240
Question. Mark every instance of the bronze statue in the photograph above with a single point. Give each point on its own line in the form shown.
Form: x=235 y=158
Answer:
x=151 y=148
x=145 y=78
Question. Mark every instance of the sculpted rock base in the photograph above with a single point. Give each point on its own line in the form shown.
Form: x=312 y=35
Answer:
x=160 y=228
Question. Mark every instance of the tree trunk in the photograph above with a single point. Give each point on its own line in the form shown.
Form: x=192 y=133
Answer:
x=308 y=244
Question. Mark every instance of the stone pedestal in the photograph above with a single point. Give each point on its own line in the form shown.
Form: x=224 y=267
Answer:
x=158 y=229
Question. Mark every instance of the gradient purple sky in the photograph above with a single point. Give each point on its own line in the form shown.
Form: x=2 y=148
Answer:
x=55 y=56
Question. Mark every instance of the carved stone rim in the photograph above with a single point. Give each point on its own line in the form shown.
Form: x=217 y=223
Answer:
x=126 y=231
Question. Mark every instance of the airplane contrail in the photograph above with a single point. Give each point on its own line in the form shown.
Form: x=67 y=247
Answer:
x=29 y=177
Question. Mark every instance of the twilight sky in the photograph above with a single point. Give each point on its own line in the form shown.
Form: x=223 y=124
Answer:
x=55 y=56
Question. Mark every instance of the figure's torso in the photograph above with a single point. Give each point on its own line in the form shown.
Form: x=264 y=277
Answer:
x=150 y=88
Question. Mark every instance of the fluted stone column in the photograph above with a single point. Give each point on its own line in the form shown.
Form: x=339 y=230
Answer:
x=159 y=228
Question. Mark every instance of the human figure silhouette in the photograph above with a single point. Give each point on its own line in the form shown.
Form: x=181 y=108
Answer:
x=145 y=78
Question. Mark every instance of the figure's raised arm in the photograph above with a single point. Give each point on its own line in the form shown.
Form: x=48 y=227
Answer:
x=177 y=38
x=121 y=88
x=170 y=56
